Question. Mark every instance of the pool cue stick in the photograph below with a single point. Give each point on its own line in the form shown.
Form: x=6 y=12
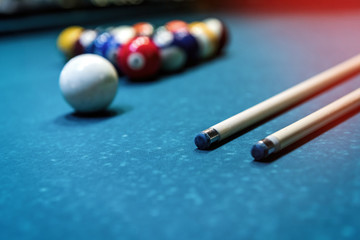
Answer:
x=278 y=103
x=305 y=126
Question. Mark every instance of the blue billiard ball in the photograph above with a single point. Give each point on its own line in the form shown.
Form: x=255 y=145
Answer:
x=101 y=44
x=112 y=50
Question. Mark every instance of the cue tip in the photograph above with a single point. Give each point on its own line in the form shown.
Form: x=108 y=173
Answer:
x=206 y=138
x=260 y=151
x=263 y=148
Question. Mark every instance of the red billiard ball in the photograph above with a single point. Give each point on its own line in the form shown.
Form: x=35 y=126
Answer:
x=139 y=58
x=144 y=29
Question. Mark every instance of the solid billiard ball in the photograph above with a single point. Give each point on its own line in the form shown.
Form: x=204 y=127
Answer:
x=101 y=43
x=220 y=30
x=67 y=39
x=88 y=83
x=207 y=40
x=176 y=25
x=189 y=43
x=139 y=58
x=144 y=29
x=173 y=57
x=113 y=48
x=85 y=43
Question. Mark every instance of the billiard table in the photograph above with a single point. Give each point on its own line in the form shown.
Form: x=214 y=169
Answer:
x=134 y=171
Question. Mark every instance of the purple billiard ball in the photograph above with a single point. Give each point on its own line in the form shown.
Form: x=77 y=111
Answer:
x=173 y=57
x=189 y=43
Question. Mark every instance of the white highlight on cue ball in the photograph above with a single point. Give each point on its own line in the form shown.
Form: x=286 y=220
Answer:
x=89 y=83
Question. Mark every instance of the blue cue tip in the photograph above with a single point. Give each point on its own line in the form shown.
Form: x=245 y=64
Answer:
x=259 y=151
x=202 y=141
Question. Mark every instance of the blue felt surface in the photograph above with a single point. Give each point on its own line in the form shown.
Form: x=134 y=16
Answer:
x=136 y=173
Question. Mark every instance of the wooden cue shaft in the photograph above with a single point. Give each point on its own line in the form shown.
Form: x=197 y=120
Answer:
x=289 y=97
x=316 y=120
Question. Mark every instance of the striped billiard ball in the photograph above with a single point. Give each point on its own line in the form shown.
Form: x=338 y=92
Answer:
x=206 y=39
x=220 y=30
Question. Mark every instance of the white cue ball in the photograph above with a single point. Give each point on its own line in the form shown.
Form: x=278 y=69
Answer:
x=89 y=83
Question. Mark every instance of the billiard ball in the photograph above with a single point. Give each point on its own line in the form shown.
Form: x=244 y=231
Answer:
x=101 y=43
x=173 y=56
x=220 y=30
x=85 y=43
x=119 y=36
x=67 y=39
x=144 y=29
x=189 y=43
x=112 y=51
x=88 y=83
x=139 y=58
x=176 y=25
x=123 y=34
x=207 y=40
x=185 y=39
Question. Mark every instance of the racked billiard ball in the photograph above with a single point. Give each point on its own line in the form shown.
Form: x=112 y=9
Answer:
x=189 y=44
x=144 y=29
x=206 y=38
x=88 y=83
x=101 y=43
x=220 y=30
x=173 y=57
x=123 y=34
x=176 y=25
x=139 y=58
x=67 y=39
x=85 y=43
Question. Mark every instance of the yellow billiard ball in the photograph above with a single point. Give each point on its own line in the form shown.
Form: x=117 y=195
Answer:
x=67 y=39
x=206 y=38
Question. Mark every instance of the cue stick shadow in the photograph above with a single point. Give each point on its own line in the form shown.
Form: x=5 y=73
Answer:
x=305 y=140
x=252 y=127
x=81 y=119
